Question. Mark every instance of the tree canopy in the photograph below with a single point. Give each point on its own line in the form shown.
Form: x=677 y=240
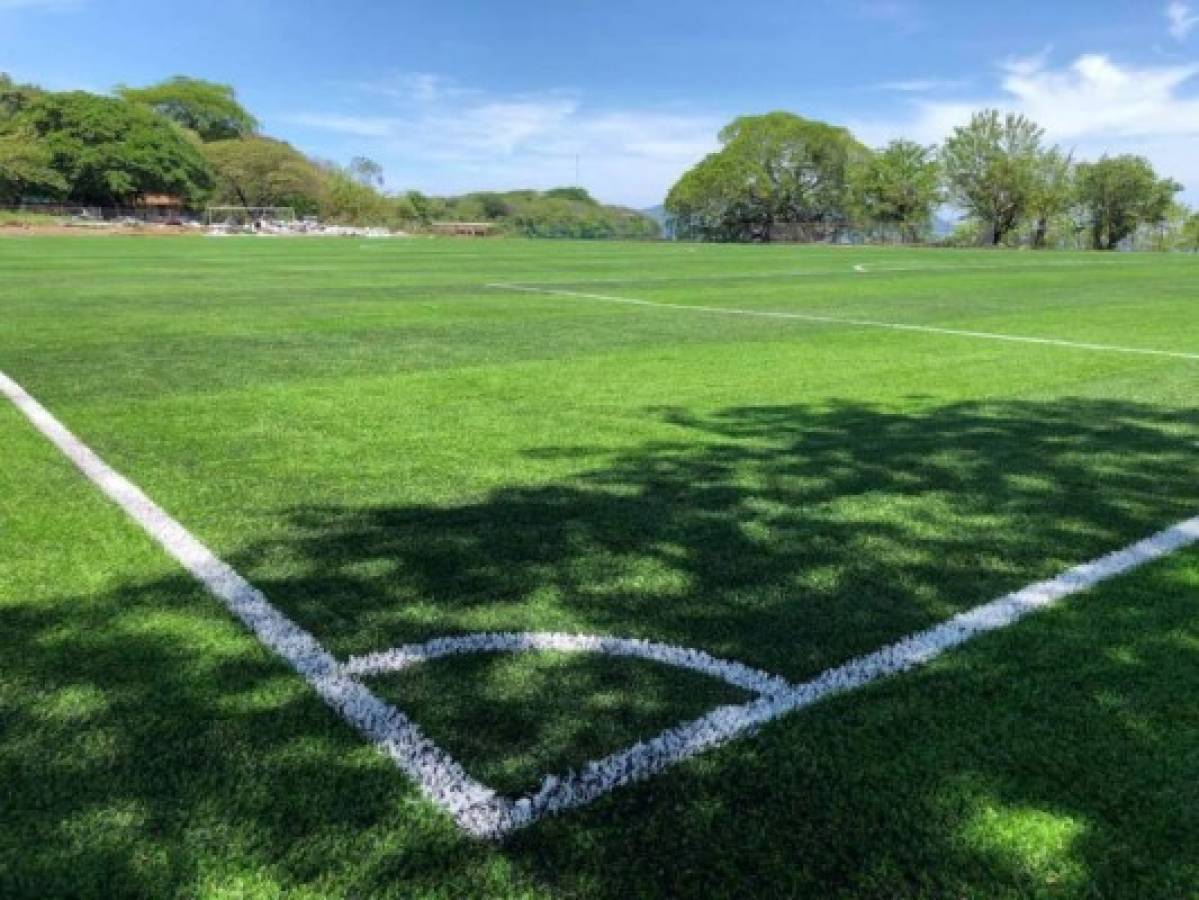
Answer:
x=210 y=110
x=261 y=171
x=772 y=168
x=900 y=185
x=1119 y=194
x=109 y=151
x=991 y=166
x=26 y=168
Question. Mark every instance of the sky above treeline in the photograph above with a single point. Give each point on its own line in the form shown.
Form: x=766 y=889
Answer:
x=463 y=95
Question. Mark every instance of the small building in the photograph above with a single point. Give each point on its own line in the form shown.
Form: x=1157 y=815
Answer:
x=160 y=206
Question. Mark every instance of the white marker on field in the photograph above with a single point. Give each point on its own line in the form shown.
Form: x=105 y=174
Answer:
x=841 y=320
x=478 y=809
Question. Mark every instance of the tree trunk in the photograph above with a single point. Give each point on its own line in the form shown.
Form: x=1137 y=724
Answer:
x=1038 y=236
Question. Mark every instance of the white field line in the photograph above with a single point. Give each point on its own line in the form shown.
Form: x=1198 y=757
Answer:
x=478 y=809
x=400 y=658
x=844 y=320
x=729 y=722
x=860 y=269
x=441 y=778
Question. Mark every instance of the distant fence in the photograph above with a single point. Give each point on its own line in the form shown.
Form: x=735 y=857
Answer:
x=102 y=213
x=845 y=233
x=818 y=232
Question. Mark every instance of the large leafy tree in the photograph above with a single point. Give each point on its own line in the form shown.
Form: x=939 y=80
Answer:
x=900 y=185
x=1052 y=192
x=26 y=168
x=260 y=171
x=209 y=109
x=991 y=166
x=773 y=168
x=109 y=151
x=1121 y=193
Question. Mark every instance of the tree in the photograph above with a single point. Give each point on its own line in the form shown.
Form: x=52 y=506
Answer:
x=1119 y=194
x=15 y=97
x=26 y=169
x=1052 y=192
x=1189 y=235
x=900 y=185
x=209 y=109
x=772 y=168
x=347 y=199
x=260 y=171
x=991 y=166
x=109 y=151
x=366 y=172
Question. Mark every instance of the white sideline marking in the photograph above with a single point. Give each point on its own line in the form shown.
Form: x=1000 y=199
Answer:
x=861 y=269
x=441 y=778
x=840 y=320
x=478 y=809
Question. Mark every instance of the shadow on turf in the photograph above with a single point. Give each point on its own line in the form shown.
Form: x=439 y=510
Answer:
x=199 y=764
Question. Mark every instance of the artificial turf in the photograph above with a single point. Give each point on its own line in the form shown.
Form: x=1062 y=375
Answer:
x=393 y=451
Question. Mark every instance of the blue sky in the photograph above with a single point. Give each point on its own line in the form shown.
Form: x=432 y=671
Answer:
x=459 y=95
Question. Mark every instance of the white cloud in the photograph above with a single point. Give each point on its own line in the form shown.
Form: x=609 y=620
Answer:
x=1094 y=105
x=1182 y=19
x=441 y=137
x=920 y=85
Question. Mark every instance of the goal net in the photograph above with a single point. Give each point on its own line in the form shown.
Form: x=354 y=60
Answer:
x=248 y=218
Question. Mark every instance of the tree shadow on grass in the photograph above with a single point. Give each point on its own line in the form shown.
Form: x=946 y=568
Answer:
x=150 y=747
x=786 y=537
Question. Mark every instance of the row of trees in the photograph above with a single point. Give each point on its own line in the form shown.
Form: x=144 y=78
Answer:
x=779 y=169
x=192 y=139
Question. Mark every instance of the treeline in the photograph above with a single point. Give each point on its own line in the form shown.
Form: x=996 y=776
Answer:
x=778 y=172
x=193 y=140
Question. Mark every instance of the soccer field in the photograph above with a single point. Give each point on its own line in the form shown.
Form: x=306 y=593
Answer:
x=677 y=478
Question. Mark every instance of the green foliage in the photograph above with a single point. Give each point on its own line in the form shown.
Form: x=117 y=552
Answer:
x=210 y=110
x=1052 y=193
x=1189 y=234
x=992 y=167
x=1119 y=194
x=899 y=185
x=347 y=199
x=26 y=168
x=15 y=97
x=108 y=151
x=558 y=213
x=261 y=171
x=577 y=194
x=773 y=168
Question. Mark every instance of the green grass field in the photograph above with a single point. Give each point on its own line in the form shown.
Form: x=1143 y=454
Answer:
x=392 y=451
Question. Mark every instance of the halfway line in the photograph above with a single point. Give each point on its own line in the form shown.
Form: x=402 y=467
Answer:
x=839 y=320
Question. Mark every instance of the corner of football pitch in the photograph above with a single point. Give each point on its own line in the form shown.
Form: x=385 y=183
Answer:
x=525 y=568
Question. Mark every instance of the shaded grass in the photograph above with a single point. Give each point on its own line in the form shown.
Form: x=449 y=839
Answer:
x=513 y=719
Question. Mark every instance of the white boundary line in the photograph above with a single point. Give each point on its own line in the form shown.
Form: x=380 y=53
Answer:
x=841 y=320
x=477 y=808
x=441 y=778
x=870 y=268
